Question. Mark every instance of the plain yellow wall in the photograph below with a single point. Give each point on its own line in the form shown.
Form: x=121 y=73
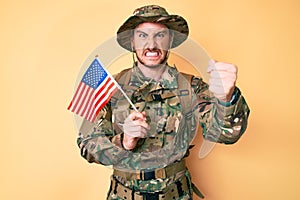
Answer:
x=44 y=43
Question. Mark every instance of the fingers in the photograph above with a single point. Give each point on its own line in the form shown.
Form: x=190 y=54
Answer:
x=135 y=130
x=137 y=115
x=226 y=81
x=135 y=125
x=222 y=79
x=221 y=66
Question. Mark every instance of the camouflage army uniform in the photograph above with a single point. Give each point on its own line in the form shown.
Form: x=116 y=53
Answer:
x=172 y=129
x=155 y=168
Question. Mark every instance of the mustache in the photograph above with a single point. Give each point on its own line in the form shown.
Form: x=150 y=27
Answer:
x=152 y=50
x=149 y=49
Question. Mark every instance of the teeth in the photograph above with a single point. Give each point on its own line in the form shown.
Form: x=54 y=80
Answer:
x=151 y=54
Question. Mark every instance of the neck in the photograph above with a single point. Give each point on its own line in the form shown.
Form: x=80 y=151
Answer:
x=154 y=72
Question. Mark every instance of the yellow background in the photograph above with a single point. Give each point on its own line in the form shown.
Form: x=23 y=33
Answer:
x=44 y=43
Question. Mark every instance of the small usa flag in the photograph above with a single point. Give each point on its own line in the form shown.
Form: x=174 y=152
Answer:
x=93 y=92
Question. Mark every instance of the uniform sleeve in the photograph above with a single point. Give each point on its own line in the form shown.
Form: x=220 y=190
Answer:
x=222 y=122
x=98 y=142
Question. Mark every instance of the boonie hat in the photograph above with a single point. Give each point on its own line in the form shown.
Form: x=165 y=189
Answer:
x=155 y=14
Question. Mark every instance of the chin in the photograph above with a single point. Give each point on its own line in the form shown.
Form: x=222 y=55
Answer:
x=153 y=62
x=152 y=65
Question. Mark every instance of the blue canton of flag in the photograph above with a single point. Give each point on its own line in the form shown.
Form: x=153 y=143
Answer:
x=94 y=75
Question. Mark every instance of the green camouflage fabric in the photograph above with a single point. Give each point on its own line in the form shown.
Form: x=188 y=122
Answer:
x=101 y=142
x=115 y=197
x=173 y=120
x=153 y=186
x=185 y=197
x=150 y=11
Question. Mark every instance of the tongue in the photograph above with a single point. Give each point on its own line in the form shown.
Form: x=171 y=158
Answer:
x=151 y=54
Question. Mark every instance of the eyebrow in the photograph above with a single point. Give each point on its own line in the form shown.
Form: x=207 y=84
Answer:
x=163 y=31
x=138 y=31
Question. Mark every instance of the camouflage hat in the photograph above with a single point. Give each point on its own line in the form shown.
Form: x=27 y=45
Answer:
x=155 y=14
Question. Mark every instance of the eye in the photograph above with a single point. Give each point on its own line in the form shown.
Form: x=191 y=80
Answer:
x=160 y=35
x=142 y=35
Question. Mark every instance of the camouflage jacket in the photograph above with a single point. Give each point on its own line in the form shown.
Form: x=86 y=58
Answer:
x=172 y=113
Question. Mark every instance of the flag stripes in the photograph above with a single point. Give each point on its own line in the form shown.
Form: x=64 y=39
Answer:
x=93 y=92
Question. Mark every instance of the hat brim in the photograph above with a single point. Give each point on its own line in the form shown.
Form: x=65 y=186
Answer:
x=175 y=23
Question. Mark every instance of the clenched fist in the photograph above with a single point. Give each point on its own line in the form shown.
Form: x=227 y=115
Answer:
x=222 y=79
x=134 y=127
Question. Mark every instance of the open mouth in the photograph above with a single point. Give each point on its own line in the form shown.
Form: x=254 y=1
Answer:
x=152 y=53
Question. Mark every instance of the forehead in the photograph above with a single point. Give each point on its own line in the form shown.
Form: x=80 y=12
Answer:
x=151 y=26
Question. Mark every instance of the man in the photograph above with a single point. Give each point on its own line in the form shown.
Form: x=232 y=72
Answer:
x=147 y=148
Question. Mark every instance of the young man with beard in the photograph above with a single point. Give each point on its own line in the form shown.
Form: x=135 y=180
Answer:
x=148 y=148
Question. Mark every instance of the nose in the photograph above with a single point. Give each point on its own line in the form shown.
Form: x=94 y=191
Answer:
x=151 y=43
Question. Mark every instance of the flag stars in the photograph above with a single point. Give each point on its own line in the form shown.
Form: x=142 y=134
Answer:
x=94 y=75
